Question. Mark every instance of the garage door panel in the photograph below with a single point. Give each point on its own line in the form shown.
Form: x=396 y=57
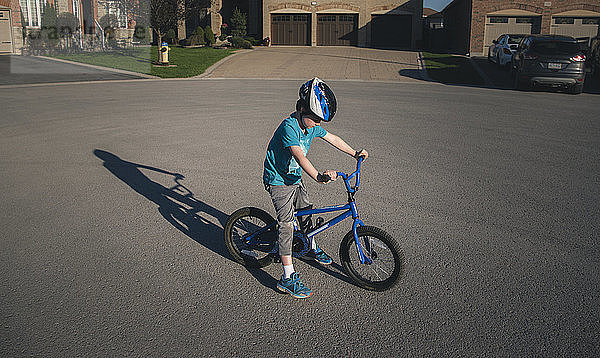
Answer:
x=337 y=30
x=575 y=27
x=290 y=29
x=5 y=32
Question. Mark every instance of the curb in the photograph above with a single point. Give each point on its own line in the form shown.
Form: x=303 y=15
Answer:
x=212 y=68
x=110 y=69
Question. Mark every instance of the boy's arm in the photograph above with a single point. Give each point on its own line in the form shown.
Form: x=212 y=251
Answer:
x=340 y=144
x=305 y=164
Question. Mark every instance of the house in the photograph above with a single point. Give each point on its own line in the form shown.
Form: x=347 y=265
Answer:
x=472 y=25
x=432 y=19
x=365 y=23
x=23 y=16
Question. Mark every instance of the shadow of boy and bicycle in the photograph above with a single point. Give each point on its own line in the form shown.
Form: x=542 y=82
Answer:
x=180 y=208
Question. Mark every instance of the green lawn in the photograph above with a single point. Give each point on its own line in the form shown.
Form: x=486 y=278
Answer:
x=190 y=61
x=451 y=69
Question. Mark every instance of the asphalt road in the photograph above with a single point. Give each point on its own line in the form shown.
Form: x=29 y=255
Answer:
x=17 y=70
x=102 y=254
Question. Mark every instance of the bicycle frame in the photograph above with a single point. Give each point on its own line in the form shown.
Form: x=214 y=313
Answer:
x=349 y=210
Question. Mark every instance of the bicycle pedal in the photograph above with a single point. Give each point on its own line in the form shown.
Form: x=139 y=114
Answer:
x=319 y=222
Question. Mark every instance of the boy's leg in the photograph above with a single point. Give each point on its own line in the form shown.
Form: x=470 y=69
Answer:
x=282 y=197
x=302 y=201
x=283 y=200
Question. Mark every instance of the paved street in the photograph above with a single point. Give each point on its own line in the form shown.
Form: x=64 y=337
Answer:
x=102 y=253
x=16 y=70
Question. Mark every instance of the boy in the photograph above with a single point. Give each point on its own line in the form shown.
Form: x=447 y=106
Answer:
x=286 y=156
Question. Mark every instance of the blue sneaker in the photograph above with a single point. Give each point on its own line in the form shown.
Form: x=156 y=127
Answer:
x=320 y=256
x=294 y=286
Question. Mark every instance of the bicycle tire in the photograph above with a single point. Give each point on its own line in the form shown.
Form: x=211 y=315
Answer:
x=245 y=221
x=387 y=246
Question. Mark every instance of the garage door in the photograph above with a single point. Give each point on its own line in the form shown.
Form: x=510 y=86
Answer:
x=575 y=26
x=391 y=31
x=337 y=29
x=498 y=25
x=5 y=32
x=290 y=29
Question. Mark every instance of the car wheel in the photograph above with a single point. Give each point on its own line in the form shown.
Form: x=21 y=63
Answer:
x=576 y=89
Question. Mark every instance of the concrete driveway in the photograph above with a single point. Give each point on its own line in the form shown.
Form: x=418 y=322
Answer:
x=330 y=63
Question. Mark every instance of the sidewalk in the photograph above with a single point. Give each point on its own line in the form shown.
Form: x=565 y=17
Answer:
x=329 y=63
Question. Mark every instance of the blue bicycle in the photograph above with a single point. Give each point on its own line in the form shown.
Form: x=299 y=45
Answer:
x=370 y=256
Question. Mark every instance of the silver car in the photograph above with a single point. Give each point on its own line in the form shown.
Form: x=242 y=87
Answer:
x=502 y=50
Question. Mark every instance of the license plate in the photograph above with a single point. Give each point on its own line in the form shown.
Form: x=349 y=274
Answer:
x=554 y=66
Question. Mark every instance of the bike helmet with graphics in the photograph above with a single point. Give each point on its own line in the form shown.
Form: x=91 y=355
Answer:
x=317 y=98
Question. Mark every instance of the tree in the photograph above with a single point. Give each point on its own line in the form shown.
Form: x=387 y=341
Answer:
x=67 y=25
x=109 y=23
x=48 y=31
x=209 y=35
x=238 y=23
x=161 y=15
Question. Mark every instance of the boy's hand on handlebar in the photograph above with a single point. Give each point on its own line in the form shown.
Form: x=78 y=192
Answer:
x=361 y=153
x=327 y=176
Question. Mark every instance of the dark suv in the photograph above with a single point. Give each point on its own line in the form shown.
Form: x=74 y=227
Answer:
x=594 y=56
x=549 y=60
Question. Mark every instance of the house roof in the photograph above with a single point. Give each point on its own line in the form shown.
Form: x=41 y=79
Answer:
x=429 y=11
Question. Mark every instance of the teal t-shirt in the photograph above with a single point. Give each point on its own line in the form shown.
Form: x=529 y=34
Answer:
x=280 y=166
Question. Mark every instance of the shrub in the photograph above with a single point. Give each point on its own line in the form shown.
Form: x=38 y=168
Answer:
x=209 y=36
x=239 y=42
x=142 y=34
x=170 y=37
x=238 y=23
x=198 y=37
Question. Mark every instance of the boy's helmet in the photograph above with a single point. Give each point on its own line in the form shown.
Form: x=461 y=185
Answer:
x=318 y=98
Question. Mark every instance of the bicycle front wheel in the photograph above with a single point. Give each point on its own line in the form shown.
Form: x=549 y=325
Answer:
x=386 y=260
x=250 y=236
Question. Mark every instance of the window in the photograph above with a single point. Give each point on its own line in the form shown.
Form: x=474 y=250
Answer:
x=346 y=18
x=112 y=8
x=525 y=20
x=498 y=20
x=555 y=47
x=564 y=20
x=327 y=18
x=591 y=21
x=32 y=12
x=300 y=17
x=281 y=18
x=514 y=40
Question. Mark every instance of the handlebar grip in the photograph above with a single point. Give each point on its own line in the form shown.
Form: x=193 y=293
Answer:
x=324 y=178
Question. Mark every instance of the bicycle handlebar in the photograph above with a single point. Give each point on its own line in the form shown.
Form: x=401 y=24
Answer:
x=348 y=177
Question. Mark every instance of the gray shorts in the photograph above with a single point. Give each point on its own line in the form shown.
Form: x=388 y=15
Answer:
x=286 y=199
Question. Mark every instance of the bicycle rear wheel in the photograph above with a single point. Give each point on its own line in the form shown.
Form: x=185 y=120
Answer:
x=250 y=236
x=387 y=259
